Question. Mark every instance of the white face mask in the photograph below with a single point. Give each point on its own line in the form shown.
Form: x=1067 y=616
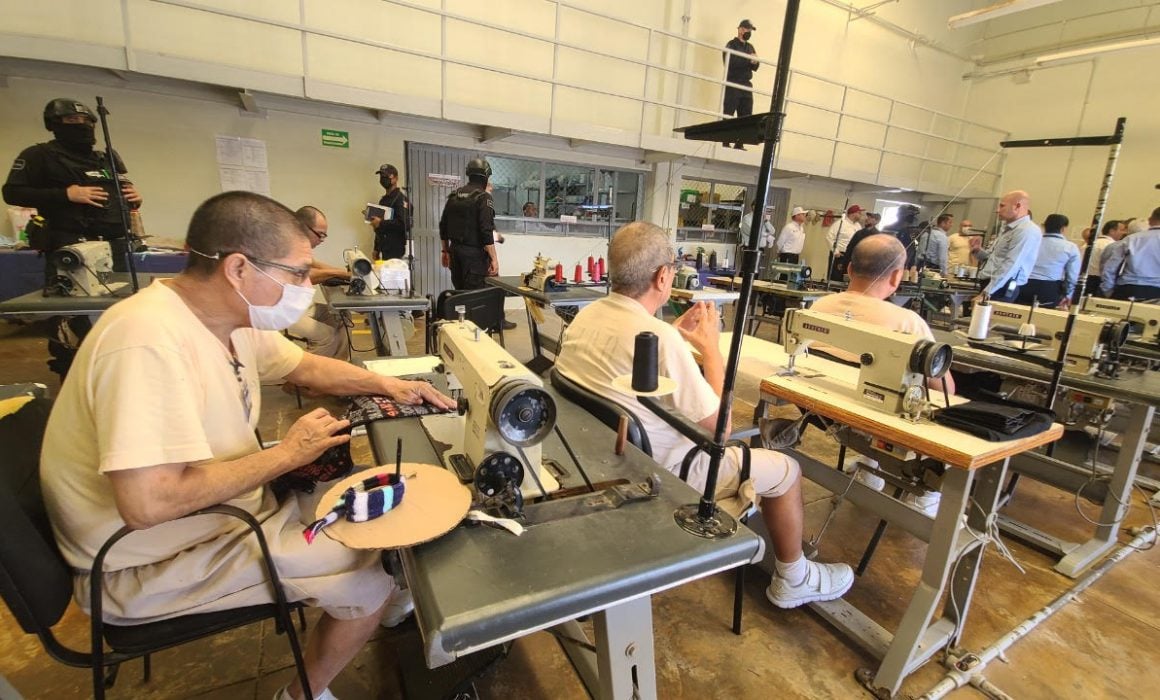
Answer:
x=290 y=307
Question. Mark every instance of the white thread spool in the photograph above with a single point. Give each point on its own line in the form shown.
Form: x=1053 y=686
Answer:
x=980 y=322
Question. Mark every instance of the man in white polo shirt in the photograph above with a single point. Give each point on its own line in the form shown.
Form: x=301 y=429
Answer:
x=598 y=347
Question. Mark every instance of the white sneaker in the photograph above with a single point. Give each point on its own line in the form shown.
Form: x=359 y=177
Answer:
x=927 y=502
x=325 y=695
x=857 y=465
x=823 y=582
x=399 y=609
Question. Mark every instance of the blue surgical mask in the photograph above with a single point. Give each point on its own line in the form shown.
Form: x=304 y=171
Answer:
x=295 y=301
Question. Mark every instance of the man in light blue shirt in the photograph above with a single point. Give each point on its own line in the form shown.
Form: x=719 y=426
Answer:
x=932 y=245
x=1056 y=271
x=1009 y=266
x=1132 y=265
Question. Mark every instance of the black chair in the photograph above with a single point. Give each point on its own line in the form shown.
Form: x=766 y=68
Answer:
x=605 y=410
x=484 y=308
x=37 y=583
x=609 y=412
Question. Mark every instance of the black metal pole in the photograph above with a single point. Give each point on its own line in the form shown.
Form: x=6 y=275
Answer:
x=1101 y=205
x=707 y=508
x=111 y=160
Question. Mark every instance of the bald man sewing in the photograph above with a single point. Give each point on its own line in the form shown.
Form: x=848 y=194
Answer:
x=1016 y=249
x=876 y=269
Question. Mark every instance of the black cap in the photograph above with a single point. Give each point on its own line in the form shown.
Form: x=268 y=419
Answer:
x=387 y=169
x=747 y=25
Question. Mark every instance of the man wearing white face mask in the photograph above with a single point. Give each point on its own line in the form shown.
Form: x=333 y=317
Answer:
x=157 y=420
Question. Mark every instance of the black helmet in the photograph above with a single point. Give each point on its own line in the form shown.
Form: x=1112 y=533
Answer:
x=62 y=107
x=478 y=167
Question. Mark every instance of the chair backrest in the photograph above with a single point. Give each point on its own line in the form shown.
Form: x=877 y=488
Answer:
x=484 y=306
x=35 y=581
x=606 y=411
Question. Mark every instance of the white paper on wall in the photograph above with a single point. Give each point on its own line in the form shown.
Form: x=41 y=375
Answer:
x=242 y=164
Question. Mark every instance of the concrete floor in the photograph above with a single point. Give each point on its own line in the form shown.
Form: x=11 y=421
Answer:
x=1105 y=645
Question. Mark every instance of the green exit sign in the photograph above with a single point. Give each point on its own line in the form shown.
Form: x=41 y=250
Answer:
x=335 y=139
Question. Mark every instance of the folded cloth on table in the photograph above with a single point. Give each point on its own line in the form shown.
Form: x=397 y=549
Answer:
x=996 y=418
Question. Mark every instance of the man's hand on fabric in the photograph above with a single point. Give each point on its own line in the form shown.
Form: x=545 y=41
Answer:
x=313 y=434
x=416 y=392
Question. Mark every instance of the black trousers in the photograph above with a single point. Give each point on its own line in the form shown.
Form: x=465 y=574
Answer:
x=1001 y=294
x=468 y=266
x=1048 y=292
x=1139 y=292
x=1093 y=286
x=738 y=102
x=791 y=258
x=390 y=247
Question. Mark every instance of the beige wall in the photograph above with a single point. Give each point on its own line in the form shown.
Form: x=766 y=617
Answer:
x=1080 y=99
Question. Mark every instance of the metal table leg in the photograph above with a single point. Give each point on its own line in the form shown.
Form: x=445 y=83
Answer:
x=1119 y=495
x=375 y=319
x=621 y=665
x=392 y=325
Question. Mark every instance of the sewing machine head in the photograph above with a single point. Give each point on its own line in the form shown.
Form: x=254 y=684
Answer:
x=507 y=409
x=794 y=276
x=542 y=276
x=893 y=367
x=687 y=278
x=1144 y=316
x=1093 y=338
x=363 y=279
x=83 y=268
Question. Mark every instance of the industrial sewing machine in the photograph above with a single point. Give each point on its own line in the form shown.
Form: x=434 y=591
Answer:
x=83 y=269
x=1145 y=316
x=893 y=366
x=793 y=276
x=1095 y=341
x=363 y=280
x=508 y=414
x=687 y=278
x=542 y=278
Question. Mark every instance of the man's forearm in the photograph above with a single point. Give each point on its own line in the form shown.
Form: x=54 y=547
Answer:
x=154 y=495
x=713 y=367
x=337 y=378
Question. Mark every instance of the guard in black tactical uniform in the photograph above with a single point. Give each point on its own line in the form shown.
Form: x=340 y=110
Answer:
x=391 y=234
x=69 y=183
x=71 y=187
x=467 y=231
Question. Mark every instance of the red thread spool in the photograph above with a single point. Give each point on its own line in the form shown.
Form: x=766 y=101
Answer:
x=591 y=266
x=579 y=274
x=559 y=273
x=600 y=267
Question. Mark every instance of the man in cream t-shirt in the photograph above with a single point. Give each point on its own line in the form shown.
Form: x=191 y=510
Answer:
x=598 y=347
x=156 y=420
x=876 y=270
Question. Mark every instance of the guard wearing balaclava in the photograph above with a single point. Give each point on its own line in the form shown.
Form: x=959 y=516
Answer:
x=70 y=186
x=907 y=229
x=69 y=183
x=467 y=230
x=391 y=234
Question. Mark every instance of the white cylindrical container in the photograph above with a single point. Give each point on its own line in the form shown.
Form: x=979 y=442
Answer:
x=980 y=321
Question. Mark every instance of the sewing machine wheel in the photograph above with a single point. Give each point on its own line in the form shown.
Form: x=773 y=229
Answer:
x=931 y=359
x=496 y=472
x=914 y=401
x=523 y=413
x=1115 y=335
x=67 y=260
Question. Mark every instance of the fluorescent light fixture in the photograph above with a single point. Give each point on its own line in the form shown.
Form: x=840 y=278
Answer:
x=999 y=9
x=1091 y=50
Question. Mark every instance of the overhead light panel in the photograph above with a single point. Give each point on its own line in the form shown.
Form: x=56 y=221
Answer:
x=999 y=9
x=1061 y=56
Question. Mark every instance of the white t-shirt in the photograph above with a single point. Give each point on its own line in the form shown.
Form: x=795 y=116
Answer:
x=792 y=238
x=867 y=309
x=598 y=347
x=151 y=385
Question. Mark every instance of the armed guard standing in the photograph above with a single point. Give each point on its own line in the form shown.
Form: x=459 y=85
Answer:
x=70 y=185
x=71 y=188
x=467 y=230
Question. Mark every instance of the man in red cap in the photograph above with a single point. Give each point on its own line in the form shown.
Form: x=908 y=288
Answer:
x=839 y=237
